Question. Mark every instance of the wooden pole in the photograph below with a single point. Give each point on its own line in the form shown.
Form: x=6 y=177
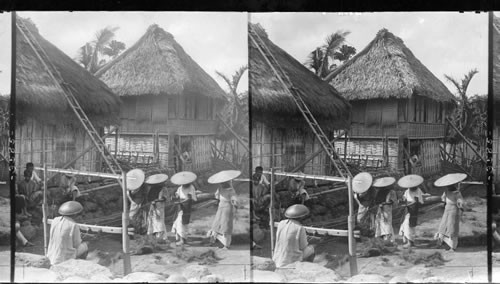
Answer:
x=116 y=142
x=127 y=267
x=44 y=210
x=350 y=227
x=271 y=213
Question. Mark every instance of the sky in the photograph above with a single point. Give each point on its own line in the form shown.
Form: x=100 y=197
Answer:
x=216 y=41
x=5 y=52
x=446 y=43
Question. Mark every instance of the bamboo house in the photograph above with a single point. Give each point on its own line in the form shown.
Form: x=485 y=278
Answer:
x=280 y=135
x=398 y=107
x=169 y=104
x=47 y=130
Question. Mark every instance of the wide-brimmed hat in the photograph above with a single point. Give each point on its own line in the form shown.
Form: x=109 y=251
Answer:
x=410 y=181
x=70 y=208
x=296 y=211
x=362 y=182
x=156 y=179
x=182 y=178
x=224 y=176
x=300 y=178
x=135 y=178
x=450 y=179
x=383 y=181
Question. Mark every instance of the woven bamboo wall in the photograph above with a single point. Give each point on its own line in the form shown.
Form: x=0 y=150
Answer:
x=54 y=145
x=291 y=147
x=140 y=149
x=370 y=152
x=430 y=158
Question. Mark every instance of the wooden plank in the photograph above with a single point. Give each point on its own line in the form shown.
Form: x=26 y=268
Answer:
x=99 y=229
x=326 y=232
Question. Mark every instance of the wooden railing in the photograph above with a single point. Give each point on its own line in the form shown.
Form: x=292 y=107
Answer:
x=410 y=129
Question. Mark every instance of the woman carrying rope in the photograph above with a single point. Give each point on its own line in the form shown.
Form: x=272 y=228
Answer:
x=413 y=198
x=156 y=216
x=184 y=197
x=385 y=200
x=449 y=226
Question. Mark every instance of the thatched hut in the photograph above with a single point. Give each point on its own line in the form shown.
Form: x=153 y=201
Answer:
x=47 y=130
x=170 y=103
x=280 y=135
x=398 y=106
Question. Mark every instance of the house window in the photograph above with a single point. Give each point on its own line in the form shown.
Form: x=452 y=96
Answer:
x=210 y=108
x=373 y=114
x=440 y=113
x=358 y=112
x=189 y=108
x=402 y=110
x=424 y=111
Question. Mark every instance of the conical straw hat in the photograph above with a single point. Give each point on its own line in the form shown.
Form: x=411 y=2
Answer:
x=135 y=178
x=296 y=211
x=299 y=178
x=383 y=182
x=182 y=178
x=156 y=179
x=362 y=182
x=224 y=176
x=70 y=208
x=450 y=179
x=410 y=181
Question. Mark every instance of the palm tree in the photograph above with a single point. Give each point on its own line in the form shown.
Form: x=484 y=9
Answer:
x=321 y=59
x=114 y=48
x=463 y=116
x=233 y=109
x=84 y=56
x=102 y=38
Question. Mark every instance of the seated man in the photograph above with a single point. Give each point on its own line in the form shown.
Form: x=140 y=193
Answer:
x=28 y=188
x=68 y=185
x=34 y=176
x=296 y=188
x=291 y=239
x=65 y=239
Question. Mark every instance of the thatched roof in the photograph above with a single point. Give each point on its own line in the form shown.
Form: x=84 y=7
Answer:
x=269 y=99
x=157 y=65
x=386 y=68
x=39 y=97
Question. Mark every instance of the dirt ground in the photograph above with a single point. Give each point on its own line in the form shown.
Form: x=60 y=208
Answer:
x=467 y=263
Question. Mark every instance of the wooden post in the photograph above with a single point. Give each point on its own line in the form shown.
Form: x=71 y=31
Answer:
x=127 y=268
x=350 y=223
x=271 y=213
x=116 y=142
x=345 y=146
x=44 y=210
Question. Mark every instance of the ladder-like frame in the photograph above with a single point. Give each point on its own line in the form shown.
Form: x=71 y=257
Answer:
x=283 y=78
x=111 y=162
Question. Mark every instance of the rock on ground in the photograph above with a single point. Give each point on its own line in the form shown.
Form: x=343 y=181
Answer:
x=262 y=276
x=418 y=273
x=144 y=277
x=35 y=275
x=176 y=278
x=311 y=272
x=262 y=263
x=212 y=279
x=195 y=271
x=32 y=260
x=366 y=278
x=81 y=268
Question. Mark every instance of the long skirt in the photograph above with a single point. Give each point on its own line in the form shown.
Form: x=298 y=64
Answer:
x=449 y=226
x=407 y=231
x=222 y=228
x=383 y=222
x=156 y=220
x=180 y=230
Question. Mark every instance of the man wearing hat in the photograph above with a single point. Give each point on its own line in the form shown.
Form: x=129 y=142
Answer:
x=184 y=196
x=65 y=240
x=68 y=185
x=413 y=198
x=296 y=188
x=291 y=239
x=385 y=199
x=449 y=226
x=222 y=227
